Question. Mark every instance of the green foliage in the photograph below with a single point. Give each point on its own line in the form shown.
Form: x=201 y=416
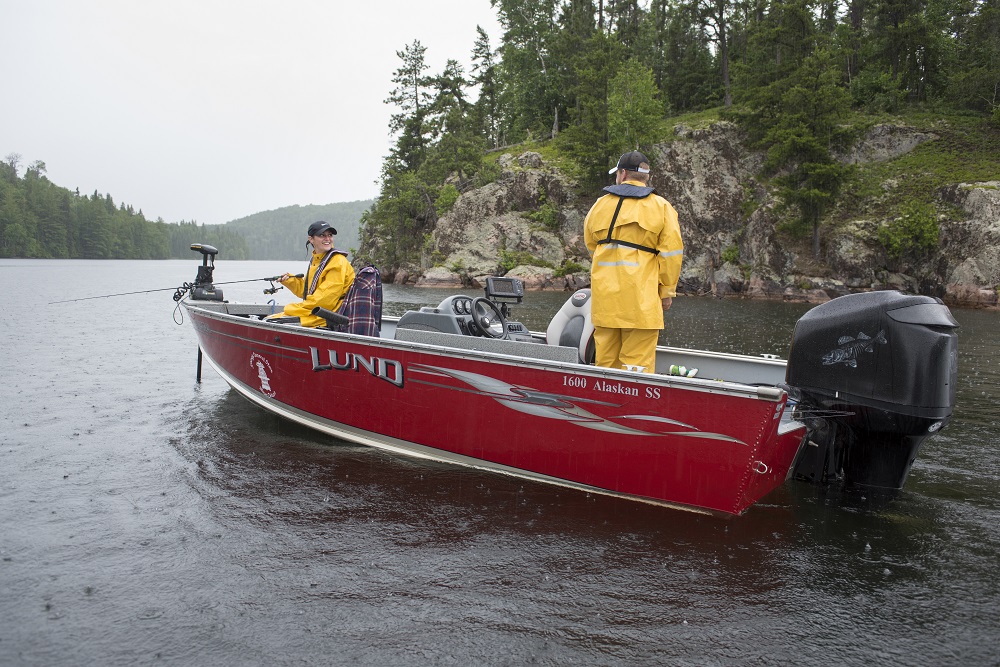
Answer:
x=731 y=255
x=580 y=82
x=798 y=140
x=685 y=68
x=633 y=110
x=568 y=267
x=965 y=150
x=487 y=112
x=446 y=198
x=410 y=98
x=231 y=244
x=749 y=203
x=876 y=91
x=547 y=213
x=914 y=234
x=532 y=85
x=40 y=219
x=402 y=214
x=510 y=259
x=488 y=172
x=583 y=130
x=974 y=72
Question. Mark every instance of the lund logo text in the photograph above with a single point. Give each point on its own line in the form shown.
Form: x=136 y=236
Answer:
x=389 y=370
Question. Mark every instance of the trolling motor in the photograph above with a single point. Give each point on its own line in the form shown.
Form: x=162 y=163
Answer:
x=203 y=289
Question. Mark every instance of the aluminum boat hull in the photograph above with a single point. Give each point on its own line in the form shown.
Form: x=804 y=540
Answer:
x=703 y=444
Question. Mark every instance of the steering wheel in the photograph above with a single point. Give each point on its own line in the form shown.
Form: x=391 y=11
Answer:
x=488 y=319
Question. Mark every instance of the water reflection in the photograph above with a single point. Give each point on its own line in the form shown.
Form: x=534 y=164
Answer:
x=284 y=476
x=367 y=530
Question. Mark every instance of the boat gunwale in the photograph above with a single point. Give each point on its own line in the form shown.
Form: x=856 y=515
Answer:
x=765 y=392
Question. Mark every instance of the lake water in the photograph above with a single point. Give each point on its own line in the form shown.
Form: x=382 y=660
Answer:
x=147 y=519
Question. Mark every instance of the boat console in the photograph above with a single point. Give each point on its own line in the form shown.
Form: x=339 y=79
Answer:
x=462 y=315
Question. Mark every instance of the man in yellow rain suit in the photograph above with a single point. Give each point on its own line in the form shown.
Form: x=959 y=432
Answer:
x=636 y=249
x=325 y=283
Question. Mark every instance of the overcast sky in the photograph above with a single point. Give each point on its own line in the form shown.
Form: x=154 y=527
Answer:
x=210 y=110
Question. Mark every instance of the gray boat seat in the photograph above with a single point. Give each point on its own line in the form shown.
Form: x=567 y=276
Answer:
x=572 y=327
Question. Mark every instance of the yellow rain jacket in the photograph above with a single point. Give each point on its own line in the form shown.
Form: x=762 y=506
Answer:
x=330 y=290
x=627 y=283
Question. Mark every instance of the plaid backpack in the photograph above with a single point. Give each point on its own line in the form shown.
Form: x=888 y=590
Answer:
x=363 y=304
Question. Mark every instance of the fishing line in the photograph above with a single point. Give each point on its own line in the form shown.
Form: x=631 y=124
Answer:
x=179 y=292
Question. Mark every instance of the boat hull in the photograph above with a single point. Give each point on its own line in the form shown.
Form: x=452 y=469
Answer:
x=697 y=444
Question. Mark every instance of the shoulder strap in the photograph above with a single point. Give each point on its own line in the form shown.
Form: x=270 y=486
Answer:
x=308 y=287
x=608 y=239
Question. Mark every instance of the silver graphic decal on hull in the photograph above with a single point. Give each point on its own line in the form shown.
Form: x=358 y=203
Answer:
x=552 y=406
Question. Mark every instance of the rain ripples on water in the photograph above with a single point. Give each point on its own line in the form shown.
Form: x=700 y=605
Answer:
x=148 y=519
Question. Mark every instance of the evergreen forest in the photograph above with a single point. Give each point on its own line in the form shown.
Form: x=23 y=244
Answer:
x=40 y=219
x=586 y=80
x=281 y=233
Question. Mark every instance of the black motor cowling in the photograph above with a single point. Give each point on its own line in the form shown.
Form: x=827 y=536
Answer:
x=874 y=375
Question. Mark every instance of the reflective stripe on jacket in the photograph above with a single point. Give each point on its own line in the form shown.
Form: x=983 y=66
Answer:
x=627 y=283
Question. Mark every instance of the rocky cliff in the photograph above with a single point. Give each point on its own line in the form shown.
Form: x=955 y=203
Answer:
x=528 y=223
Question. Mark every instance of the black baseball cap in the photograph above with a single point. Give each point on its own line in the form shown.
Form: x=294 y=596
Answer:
x=630 y=161
x=320 y=226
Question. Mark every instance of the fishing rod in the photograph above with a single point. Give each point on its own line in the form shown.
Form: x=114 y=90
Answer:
x=180 y=290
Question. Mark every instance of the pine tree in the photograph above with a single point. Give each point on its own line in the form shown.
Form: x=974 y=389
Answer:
x=799 y=142
x=411 y=98
x=532 y=99
x=486 y=109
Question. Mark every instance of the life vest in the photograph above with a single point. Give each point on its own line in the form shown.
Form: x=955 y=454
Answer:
x=626 y=191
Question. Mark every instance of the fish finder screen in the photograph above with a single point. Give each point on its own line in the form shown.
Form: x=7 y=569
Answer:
x=510 y=288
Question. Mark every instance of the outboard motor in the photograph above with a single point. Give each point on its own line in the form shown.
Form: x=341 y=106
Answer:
x=874 y=375
x=572 y=327
x=203 y=289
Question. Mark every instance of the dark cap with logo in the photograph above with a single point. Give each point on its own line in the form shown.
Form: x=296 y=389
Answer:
x=630 y=161
x=320 y=226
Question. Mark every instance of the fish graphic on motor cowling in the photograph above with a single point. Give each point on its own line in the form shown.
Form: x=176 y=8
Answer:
x=850 y=347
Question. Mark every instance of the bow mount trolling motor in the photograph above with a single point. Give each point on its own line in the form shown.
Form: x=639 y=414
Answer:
x=203 y=289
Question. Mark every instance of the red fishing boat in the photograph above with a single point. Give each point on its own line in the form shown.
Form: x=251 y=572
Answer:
x=868 y=380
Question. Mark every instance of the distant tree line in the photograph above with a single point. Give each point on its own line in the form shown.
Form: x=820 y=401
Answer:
x=281 y=233
x=41 y=219
x=599 y=77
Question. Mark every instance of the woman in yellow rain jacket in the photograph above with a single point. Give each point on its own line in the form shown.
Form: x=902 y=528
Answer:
x=635 y=243
x=325 y=283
